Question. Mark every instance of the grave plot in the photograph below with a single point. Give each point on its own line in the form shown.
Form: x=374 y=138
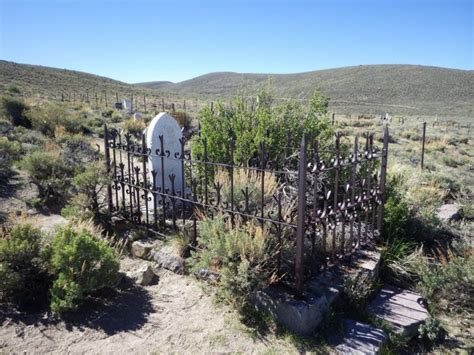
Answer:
x=319 y=206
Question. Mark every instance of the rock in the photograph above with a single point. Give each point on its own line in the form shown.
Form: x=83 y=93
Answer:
x=49 y=224
x=141 y=249
x=117 y=219
x=31 y=212
x=144 y=276
x=300 y=316
x=366 y=265
x=448 y=212
x=360 y=338
x=402 y=310
x=168 y=261
x=207 y=275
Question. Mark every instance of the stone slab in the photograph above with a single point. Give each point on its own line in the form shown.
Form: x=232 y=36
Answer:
x=302 y=316
x=360 y=338
x=403 y=310
x=298 y=316
x=448 y=212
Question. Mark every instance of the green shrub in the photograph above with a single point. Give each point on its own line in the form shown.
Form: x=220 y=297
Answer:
x=398 y=257
x=108 y=113
x=266 y=123
x=116 y=117
x=240 y=254
x=13 y=89
x=15 y=109
x=77 y=151
x=49 y=173
x=9 y=152
x=246 y=180
x=134 y=127
x=396 y=215
x=23 y=270
x=89 y=184
x=83 y=264
x=47 y=117
x=357 y=290
x=451 y=161
x=448 y=284
x=73 y=210
x=430 y=331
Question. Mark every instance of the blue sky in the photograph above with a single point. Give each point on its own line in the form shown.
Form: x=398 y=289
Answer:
x=148 y=40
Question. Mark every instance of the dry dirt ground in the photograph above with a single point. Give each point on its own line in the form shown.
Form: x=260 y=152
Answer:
x=173 y=316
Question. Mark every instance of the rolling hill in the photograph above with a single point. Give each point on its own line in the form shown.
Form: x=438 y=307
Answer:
x=398 y=89
x=46 y=82
x=403 y=89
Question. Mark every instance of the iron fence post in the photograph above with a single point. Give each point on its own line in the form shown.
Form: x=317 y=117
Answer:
x=300 y=231
x=107 y=168
x=383 y=178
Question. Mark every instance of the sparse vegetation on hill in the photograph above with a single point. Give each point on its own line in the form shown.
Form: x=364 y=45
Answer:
x=401 y=89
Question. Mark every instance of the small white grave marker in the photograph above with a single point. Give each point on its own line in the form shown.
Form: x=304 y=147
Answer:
x=127 y=105
x=137 y=116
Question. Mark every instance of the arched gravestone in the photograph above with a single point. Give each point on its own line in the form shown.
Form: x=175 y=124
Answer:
x=166 y=126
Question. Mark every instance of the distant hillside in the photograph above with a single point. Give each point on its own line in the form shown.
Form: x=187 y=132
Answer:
x=403 y=89
x=35 y=80
x=398 y=89
x=156 y=84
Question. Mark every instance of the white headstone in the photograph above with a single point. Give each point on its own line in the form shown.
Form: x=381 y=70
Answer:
x=137 y=116
x=165 y=125
x=127 y=105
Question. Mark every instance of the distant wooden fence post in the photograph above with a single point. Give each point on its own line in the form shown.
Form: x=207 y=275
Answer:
x=423 y=137
x=333 y=118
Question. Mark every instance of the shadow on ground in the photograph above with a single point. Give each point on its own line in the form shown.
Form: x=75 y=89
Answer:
x=113 y=311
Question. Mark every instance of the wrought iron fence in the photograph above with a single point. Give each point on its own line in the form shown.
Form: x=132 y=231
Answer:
x=320 y=206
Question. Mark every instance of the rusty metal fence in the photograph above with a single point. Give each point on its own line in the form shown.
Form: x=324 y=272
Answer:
x=319 y=205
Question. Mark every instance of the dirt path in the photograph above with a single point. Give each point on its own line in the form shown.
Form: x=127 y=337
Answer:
x=174 y=316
